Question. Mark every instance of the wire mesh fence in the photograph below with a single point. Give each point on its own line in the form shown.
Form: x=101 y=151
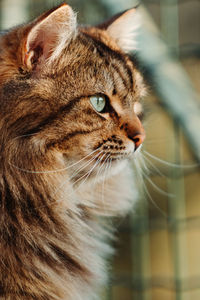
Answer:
x=159 y=243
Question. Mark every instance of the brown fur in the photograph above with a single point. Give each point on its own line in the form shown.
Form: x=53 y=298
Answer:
x=52 y=242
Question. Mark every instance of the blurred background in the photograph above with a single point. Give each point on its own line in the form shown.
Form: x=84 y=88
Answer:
x=158 y=249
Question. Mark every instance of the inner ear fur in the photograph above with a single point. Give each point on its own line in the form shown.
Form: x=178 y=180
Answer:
x=123 y=28
x=49 y=35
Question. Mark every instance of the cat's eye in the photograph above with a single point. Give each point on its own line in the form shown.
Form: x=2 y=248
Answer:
x=99 y=102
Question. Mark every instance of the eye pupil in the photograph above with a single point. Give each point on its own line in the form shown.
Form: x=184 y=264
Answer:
x=98 y=102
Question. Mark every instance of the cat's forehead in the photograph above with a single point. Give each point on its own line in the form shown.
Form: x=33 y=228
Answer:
x=97 y=62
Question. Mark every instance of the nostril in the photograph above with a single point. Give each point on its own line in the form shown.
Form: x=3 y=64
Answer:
x=138 y=140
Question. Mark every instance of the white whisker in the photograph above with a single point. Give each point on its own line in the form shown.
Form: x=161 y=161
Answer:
x=141 y=174
x=157 y=188
x=67 y=181
x=90 y=171
x=56 y=170
x=154 y=167
x=153 y=202
x=99 y=169
x=103 y=183
x=85 y=165
x=24 y=135
x=169 y=163
x=151 y=182
x=77 y=172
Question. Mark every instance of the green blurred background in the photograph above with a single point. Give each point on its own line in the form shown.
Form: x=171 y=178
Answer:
x=158 y=250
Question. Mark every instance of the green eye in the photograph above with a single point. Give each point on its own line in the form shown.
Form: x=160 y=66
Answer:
x=98 y=102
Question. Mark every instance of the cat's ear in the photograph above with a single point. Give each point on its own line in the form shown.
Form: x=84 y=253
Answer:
x=49 y=35
x=123 y=28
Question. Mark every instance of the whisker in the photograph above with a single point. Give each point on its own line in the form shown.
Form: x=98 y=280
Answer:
x=153 y=202
x=154 y=167
x=67 y=181
x=167 y=163
x=138 y=169
x=140 y=159
x=24 y=135
x=103 y=184
x=77 y=172
x=90 y=171
x=151 y=182
x=85 y=165
x=161 y=191
x=53 y=171
x=97 y=175
x=100 y=168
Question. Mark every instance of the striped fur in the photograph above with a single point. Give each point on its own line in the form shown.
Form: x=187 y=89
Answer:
x=53 y=244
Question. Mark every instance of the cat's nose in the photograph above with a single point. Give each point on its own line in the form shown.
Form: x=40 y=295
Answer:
x=138 y=139
x=134 y=129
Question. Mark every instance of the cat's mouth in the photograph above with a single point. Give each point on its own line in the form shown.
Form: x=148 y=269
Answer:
x=114 y=157
x=101 y=165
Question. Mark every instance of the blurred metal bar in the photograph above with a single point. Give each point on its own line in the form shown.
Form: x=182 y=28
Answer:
x=168 y=77
x=177 y=210
x=13 y=13
x=170 y=23
x=114 y=6
x=140 y=249
x=170 y=82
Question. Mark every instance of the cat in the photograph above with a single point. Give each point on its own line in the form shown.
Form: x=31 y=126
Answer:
x=68 y=127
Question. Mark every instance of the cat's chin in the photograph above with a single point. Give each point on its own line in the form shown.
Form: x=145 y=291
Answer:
x=115 y=168
x=98 y=173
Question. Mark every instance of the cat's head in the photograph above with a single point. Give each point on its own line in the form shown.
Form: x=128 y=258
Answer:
x=69 y=93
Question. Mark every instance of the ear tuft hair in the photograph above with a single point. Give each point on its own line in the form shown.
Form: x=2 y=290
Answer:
x=50 y=35
x=124 y=29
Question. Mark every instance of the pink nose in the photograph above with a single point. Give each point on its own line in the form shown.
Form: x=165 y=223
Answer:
x=133 y=128
x=138 y=139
